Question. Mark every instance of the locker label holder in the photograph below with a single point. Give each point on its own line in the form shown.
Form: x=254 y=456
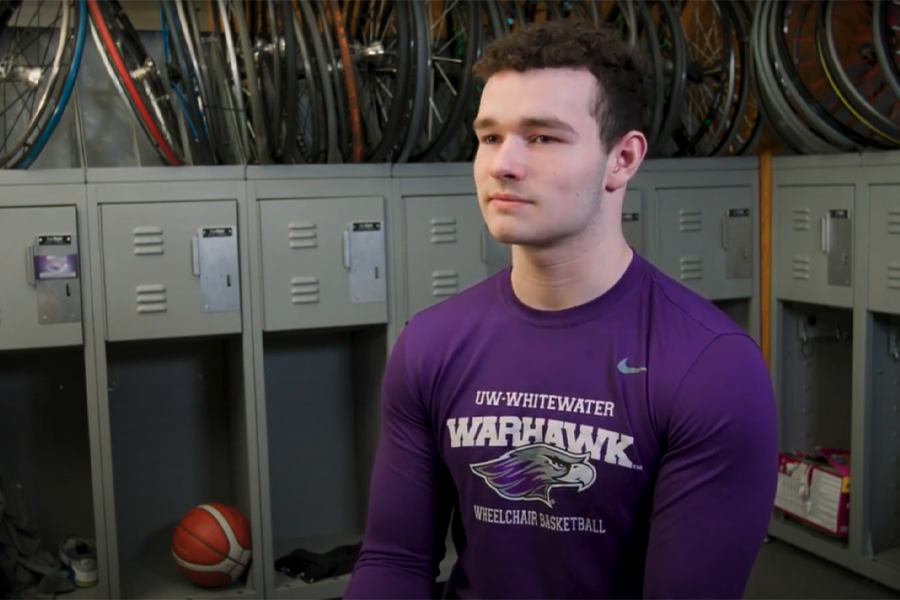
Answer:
x=737 y=241
x=215 y=263
x=52 y=269
x=364 y=256
x=837 y=241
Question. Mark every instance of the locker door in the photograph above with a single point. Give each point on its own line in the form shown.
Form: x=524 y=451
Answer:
x=324 y=262
x=170 y=269
x=40 y=278
x=706 y=239
x=446 y=247
x=884 y=248
x=632 y=223
x=813 y=246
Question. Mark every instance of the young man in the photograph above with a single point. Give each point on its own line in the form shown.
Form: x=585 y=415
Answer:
x=596 y=429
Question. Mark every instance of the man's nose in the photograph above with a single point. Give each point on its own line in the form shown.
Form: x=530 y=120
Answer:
x=508 y=161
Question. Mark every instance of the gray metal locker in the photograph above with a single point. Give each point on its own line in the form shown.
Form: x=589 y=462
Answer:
x=323 y=286
x=446 y=249
x=49 y=438
x=706 y=239
x=40 y=299
x=171 y=269
x=813 y=243
x=884 y=248
x=324 y=262
x=176 y=372
x=632 y=220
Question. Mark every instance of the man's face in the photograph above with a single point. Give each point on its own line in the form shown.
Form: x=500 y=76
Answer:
x=540 y=166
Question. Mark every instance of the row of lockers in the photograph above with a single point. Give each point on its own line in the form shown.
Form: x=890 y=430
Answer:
x=835 y=347
x=235 y=325
x=339 y=249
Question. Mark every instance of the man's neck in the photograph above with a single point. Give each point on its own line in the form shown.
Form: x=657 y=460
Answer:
x=564 y=277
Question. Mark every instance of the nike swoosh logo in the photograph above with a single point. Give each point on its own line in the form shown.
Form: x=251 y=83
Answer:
x=624 y=368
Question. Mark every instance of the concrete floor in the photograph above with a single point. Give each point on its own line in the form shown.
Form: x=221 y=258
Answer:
x=783 y=571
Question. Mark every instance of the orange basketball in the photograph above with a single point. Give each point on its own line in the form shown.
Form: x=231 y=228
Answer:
x=211 y=544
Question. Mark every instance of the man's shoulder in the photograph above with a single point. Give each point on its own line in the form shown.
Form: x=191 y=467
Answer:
x=679 y=303
x=684 y=325
x=457 y=316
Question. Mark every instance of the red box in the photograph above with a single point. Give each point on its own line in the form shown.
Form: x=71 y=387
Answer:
x=815 y=489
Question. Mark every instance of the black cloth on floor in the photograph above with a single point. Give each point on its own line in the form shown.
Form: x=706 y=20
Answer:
x=315 y=566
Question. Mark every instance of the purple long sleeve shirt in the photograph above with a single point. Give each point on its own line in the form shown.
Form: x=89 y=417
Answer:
x=624 y=448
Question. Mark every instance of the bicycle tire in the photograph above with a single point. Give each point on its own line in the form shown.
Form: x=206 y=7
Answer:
x=251 y=80
x=737 y=117
x=62 y=103
x=355 y=127
x=37 y=114
x=418 y=85
x=813 y=112
x=889 y=66
x=454 y=119
x=332 y=136
x=291 y=91
x=172 y=31
x=837 y=77
x=674 y=106
x=748 y=146
x=400 y=101
x=690 y=145
x=124 y=76
x=313 y=149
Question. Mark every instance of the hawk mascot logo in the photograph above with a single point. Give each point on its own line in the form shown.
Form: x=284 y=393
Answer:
x=532 y=472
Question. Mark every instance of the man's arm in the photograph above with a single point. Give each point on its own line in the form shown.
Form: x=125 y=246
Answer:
x=410 y=496
x=716 y=484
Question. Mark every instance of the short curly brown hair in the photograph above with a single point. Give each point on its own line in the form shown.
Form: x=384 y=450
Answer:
x=622 y=72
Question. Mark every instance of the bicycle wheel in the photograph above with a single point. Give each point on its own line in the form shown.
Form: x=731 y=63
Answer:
x=36 y=55
x=886 y=30
x=137 y=77
x=41 y=134
x=847 y=69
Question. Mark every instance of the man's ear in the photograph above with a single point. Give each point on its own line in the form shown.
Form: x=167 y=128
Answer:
x=625 y=159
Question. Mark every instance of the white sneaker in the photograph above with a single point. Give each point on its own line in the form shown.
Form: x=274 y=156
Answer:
x=79 y=555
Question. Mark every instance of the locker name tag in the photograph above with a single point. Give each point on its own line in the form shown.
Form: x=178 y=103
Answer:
x=55 y=266
x=364 y=255
x=738 y=212
x=209 y=232
x=631 y=216
x=840 y=213
x=54 y=240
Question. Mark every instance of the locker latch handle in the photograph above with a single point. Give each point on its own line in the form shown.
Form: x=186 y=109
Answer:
x=29 y=266
x=195 y=254
x=725 y=232
x=825 y=239
x=346 y=247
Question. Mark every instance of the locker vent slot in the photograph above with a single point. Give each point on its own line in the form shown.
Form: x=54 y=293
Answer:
x=148 y=241
x=443 y=230
x=893 y=221
x=689 y=220
x=802 y=267
x=691 y=268
x=893 y=275
x=444 y=283
x=302 y=234
x=304 y=290
x=151 y=298
x=801 y=219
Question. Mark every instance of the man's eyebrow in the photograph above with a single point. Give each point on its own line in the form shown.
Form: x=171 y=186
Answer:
x=529 y=122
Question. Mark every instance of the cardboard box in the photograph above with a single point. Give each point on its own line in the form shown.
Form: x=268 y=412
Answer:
x=815 y=489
